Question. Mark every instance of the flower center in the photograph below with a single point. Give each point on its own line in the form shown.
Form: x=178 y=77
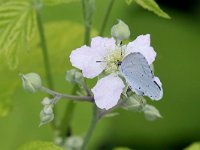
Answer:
x=113 y=59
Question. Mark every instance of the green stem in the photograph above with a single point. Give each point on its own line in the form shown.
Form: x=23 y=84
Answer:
x=88 y=10
x=67 y=96
x=106 y=16
x=44 y=49
x=45 y=55
x=64 y=127
x=91 y=128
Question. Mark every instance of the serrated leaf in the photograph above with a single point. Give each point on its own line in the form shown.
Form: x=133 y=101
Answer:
x=10 y=79
x=17 y=25
x=39 y=145
x=151 y=5
x=193 y=146
x=57 y=2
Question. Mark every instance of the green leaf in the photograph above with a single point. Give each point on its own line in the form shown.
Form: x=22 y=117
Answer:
x=151 y=5
x=39 y=145
x=5 y=105
x=17 y=25
x=193 y=146
x=7 y=89
x=57 y=2
x=128 y=1
x=121 y=148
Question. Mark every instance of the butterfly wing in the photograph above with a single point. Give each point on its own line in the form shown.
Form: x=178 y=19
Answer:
x=139 y=76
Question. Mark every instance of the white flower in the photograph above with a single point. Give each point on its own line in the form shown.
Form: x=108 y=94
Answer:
x=103 y=54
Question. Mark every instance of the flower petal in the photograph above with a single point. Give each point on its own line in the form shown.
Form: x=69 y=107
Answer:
x=85 y=59
x=103 y=45
x=107 y=91
x=142 y=44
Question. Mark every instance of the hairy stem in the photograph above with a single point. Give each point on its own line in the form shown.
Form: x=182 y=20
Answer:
x=90 y=129
x=67 y=96
x=106 y=16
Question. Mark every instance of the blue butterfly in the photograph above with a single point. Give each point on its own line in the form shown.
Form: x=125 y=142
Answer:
x=140 y=77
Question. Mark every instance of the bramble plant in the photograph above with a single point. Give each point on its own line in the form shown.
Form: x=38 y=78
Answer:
x=108 y=59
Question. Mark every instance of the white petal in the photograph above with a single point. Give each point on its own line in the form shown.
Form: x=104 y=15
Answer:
x=142 y=44
x=85 y=59
x=143 y=40
x=103 y=45
x=160 y=84
x=107 y=91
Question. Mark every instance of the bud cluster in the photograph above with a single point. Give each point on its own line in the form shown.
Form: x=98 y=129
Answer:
x=47 y=115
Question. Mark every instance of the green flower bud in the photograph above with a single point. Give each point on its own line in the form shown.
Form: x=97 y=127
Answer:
x=74 y=143
x=151 y=113
x=134 y=103
x=48 y=109
x=74 y=76
x=46 y=101
x=31 y=82
x=45 y=117
x=120 y=31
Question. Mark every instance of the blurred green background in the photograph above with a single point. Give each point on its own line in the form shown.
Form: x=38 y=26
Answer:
x=176 y=42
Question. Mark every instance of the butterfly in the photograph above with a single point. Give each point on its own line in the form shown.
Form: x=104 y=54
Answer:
x=139 y=76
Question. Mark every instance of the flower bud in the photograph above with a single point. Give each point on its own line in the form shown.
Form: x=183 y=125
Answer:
x=74 y=76
x=74 y=143
x=45 y=118
x=134 y=103
x=151 y=113
x=48 y=110
x=120 y=31
x=46 y=101
x=31 y=82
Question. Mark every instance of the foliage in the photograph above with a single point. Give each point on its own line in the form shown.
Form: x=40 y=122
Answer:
x=10 y=79
x=151 y=5
x=193 y=146
x=16 y=28
x=57 y=2
x=39 y=145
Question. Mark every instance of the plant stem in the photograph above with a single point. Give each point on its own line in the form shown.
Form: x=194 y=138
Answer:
x=88 y=10
x=65 y=124
x=106 y=16
x=67 y=96
x=45 y=55
x=44 y=50
x=91 y=128
x=64 y=127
